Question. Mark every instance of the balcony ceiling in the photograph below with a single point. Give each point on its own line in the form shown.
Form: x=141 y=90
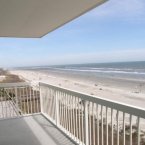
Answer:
x=36 y=18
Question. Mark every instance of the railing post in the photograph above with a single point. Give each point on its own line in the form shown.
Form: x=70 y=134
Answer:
x=57 y=108
x=86 y=122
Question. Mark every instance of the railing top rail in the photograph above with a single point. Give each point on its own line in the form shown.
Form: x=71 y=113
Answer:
x=20 y=84
x=126 y=108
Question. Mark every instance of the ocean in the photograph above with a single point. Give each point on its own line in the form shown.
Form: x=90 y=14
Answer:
x=132 y=70
x=115 y=69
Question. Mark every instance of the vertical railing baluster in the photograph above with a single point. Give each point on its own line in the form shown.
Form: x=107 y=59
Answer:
x=79 y=124
x=63 y=109
x=138 y=130
x=54 y=109
x=130 y=129
x=68 y=118
x=24 y=100
x=41 y=99
x=123 y=128
x=65 y=104
x=37 y=99
x=98 y=126
x=112 y=128
x=20 y=100
x=47 y=100
x=51 y=103
x=76 y=118
x=106 y=125
x=69 y=112
x=117 y=116
x=82 y=116
x=53 y=98
x=90 y=124
x=27 y=96
x=74 y=123
x=70 y=102
x=34 y=104
x=33 y=101
x=30 y=91
x=63 y=98
x=13 y=96
x=102 y=131
x=6 y=104
x=86 y=122
x=57 y=108
x=60 y=106
x=94 y=126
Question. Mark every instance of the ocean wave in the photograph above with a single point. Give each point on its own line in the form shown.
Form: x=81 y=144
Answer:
x=103 y=70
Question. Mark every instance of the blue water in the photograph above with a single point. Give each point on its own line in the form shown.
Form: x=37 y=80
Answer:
x=119 y=69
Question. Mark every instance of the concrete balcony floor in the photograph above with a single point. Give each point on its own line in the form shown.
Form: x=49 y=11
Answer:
x=31 y=130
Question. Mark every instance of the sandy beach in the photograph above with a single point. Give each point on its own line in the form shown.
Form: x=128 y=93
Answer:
x=119 y=89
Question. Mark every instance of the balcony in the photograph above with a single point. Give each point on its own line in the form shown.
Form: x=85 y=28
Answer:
x=47 y=114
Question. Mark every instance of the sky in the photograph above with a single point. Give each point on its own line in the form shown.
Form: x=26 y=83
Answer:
x=112 y=32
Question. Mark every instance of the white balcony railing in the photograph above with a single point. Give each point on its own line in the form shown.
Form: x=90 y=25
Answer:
x=85 y=119
x=90 y=120
x=17 y=99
